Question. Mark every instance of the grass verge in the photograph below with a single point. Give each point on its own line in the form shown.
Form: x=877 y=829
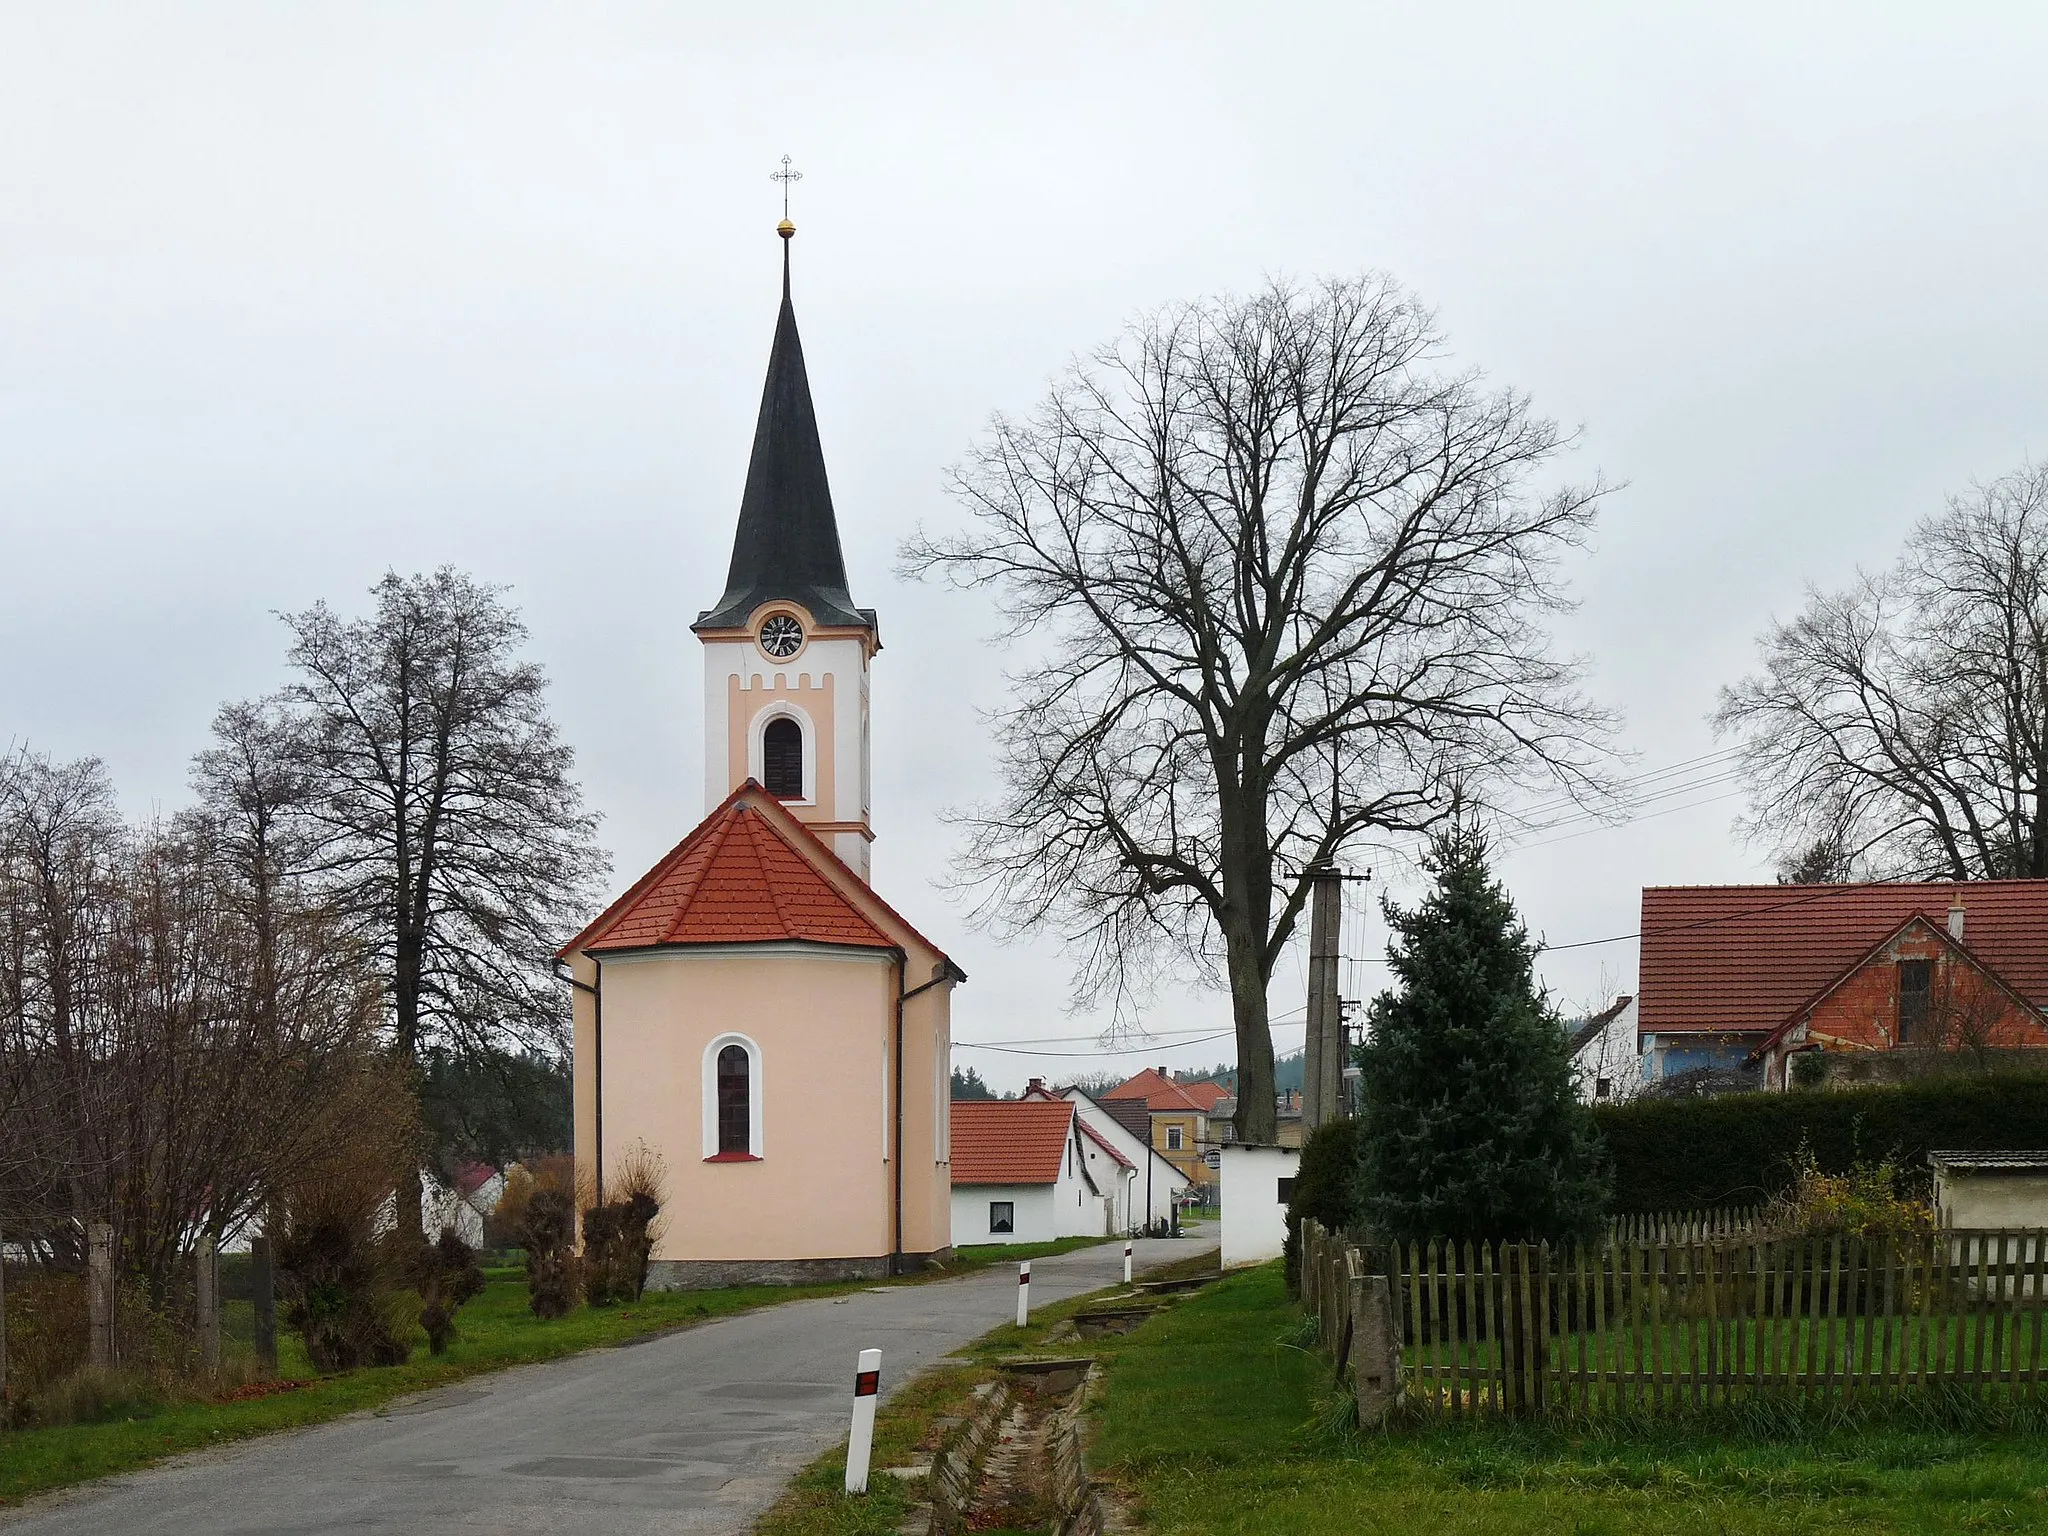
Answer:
x=497 y=1331
x=1215 y=1421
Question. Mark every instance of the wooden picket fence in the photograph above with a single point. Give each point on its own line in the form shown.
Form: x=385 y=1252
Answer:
x=1656 y=1324
x=1683 y=1226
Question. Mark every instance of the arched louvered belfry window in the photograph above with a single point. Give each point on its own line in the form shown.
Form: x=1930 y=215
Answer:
x=782 y=759
x=735 y=1100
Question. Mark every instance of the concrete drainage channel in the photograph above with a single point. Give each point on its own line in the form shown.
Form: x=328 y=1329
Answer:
x=1014 y=1462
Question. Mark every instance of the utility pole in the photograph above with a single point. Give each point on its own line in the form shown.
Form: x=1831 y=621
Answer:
x=1322 y=1097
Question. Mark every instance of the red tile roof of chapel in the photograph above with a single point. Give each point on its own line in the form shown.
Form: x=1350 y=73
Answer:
x=1741 y=958
x=1009 y=1141
x=739 y=878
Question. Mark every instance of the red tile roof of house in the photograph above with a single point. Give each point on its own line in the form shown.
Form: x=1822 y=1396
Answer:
x=1104 y=1142
x=1158 y=1092
x=1206 y=1094
x=1739 y=959
x=749 y=873
x=1009 y=1141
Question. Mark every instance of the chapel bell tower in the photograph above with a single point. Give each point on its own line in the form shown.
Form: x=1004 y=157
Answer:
x=785 y=651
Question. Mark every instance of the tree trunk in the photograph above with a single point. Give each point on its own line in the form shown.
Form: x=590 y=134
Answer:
x=411 y=1195
x=1257 y=1116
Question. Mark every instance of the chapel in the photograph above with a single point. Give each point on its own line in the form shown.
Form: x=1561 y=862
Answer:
x=749 y=1011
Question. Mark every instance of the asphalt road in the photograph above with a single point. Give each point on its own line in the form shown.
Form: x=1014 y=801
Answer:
x=695 y=1431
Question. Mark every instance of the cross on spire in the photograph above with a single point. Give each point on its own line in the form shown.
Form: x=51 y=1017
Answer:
x=786 y=176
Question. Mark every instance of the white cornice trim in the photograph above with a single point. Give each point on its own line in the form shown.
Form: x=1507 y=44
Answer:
x=768 y=950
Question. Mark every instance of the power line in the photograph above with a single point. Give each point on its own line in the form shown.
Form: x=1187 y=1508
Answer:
x=1715 y=760
x=1130 y=1050
x=1704 y=922
x=1635 y=811
x=1670 y=810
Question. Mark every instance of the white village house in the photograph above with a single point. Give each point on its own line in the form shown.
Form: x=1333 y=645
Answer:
x=1030 y=1170
x=1156 y=1184
x=1607 y=1064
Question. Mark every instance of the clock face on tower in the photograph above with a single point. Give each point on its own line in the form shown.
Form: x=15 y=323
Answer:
x=782 y=636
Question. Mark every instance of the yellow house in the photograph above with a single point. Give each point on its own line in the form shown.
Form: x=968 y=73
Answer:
x=1178 y=1115
x=750 y=1011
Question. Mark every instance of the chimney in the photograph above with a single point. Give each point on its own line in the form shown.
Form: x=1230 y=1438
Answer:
x=1955 y=918
x=1037 y=1085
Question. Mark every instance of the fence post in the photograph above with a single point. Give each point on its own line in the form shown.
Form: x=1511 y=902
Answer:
x=99 y=1291
x=1375 y=1349
x=263 y=1296
x=3 y=1326
x=207 y=1297
x=1518 y=1346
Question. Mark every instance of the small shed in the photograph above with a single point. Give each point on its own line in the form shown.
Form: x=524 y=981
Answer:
x=1990 y=1189
x=1257 y=1183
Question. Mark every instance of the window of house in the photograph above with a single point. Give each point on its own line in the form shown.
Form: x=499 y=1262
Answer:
x=1173 y=1138
x=735 y=1101
x=1603 y=1087
x=1286 y=1191
x=1002 y=1216
x=782 y=759
x=1916 y=994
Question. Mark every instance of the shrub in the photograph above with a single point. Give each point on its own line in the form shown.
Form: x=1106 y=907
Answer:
x=1739 y=1150
x=619 y=1236
x=90 y=1393
x=47 y=1335
x=1866 y=1202
x=1325 y=1187
x=446 y=1275
x=548 y=1234
x=339 y=1284
x=556 y=1170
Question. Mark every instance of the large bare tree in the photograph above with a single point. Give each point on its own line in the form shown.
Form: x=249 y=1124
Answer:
x=1899 y=728
x=441 y=819
x=1284 y=580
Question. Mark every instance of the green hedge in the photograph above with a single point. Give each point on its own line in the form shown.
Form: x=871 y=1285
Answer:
x=1686 y=1154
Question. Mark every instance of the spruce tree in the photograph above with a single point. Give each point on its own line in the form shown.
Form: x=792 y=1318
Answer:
x=1471 y=1128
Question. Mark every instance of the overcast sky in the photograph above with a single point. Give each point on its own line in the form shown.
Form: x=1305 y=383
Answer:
x=290 y=295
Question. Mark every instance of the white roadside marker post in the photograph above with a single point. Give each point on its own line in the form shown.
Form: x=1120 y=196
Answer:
x=1023 y=1293
x=860 y=1442
x=1127 y=1261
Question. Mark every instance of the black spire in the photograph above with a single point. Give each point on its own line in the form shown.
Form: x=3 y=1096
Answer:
x=787 y=544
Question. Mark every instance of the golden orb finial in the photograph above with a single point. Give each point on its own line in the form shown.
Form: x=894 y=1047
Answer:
x=788 y=176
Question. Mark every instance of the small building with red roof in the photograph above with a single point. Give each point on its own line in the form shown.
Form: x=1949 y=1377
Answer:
x=1880 y=980
x=750 y=1012
x=1030 y=1170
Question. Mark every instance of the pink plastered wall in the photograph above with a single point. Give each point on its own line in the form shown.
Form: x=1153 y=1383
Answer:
x=824 y=1187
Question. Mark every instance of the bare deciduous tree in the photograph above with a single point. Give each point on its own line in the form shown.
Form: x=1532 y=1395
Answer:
x=1288 y=579
x=441 y=819
x=1899 y=729
x=161 y=1075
